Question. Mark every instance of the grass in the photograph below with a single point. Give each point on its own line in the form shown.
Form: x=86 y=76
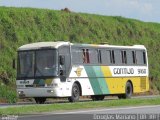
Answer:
x=19 y=26
x=33 y=109
x=7 y=94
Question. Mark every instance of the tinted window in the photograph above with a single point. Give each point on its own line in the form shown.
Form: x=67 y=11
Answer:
x=117 y=57
x=112 y=57
x=99 y=56
x=86 y=58
x=93 y=56
x=134 y=57
x=139 y=57
x=26 y=64
x=77 y=56
x=46 y=63
x=105 y=56
x=124 y=57
x=40 y=63
x=144 y=57
x=129 y=57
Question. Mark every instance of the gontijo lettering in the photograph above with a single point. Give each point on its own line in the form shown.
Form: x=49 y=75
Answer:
x=123 y=71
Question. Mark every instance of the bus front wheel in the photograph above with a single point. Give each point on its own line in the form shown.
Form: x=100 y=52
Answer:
x=75 y=93
x=40 y=100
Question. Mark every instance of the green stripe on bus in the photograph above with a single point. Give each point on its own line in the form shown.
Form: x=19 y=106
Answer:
x=39 y=82
x=93 y=80
x=101 y=79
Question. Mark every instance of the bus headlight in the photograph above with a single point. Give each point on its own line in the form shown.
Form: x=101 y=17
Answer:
x=50 y=91
x=20 y=92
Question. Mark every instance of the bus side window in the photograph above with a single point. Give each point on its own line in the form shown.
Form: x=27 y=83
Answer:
x=117 y=57
x=86 y=56
x=134 y=57
x=140 y=57
x=112 y=57
x=99 y=56
x=124 y=57
x=93 y=56
x=129 y=57
x=144 y=57
x=105 y=56
x=77 y=56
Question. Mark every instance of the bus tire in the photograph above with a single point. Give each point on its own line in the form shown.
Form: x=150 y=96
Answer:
x=75 y=93
x=128 y=91
x=40 y=100
x=97 y=97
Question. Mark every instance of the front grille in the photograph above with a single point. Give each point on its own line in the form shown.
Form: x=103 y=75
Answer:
x=35 y=85
x=29 y=85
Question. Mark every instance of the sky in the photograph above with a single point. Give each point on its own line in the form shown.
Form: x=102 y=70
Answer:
x=145 y=10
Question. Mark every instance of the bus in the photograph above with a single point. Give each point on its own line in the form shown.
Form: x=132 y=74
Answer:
x=68 y=70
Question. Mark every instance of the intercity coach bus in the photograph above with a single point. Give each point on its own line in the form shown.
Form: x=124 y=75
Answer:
x=63 y=69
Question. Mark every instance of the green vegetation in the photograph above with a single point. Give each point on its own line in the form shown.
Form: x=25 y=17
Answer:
x=19 y=26
x=30 y=109
x=8 y=94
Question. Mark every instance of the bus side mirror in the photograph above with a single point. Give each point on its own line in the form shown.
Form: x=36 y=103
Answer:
x=61 y=72
x=61 y=60
x=14 y=64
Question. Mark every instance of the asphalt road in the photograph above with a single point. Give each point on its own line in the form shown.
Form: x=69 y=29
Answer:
x=133 y=113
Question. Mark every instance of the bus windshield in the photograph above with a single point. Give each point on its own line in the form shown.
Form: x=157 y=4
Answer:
x=37 y=64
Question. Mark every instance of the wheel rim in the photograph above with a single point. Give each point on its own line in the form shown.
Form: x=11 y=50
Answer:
x=128 y=90
x=75 y=92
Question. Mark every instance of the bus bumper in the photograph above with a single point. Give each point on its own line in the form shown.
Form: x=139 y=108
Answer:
x=40 y=92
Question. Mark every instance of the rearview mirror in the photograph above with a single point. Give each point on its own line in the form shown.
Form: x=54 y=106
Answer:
x=61 y=72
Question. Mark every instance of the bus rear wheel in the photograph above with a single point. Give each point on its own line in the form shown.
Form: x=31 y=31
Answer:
x=75 y=93
x=97 y=97
x=40 y=100
x=128 y=91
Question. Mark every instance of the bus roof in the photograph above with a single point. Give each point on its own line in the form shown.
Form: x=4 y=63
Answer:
x=111 y=46
x=42 y=45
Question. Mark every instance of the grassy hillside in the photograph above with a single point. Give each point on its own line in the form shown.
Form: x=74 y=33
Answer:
x=19 y=26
